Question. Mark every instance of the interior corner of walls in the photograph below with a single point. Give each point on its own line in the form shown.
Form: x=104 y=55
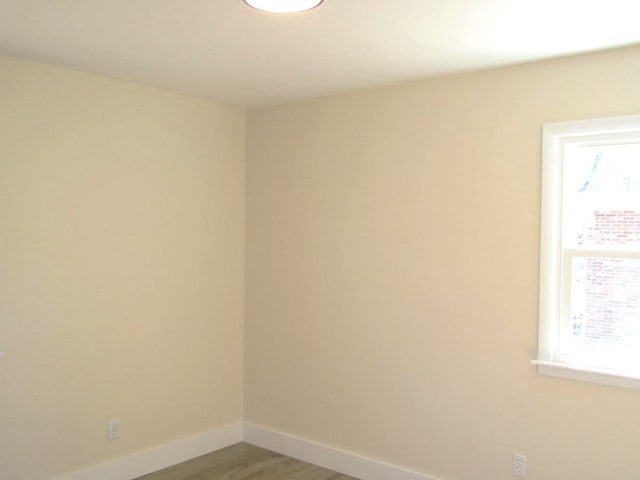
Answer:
x=326 y=456
x=157 y=458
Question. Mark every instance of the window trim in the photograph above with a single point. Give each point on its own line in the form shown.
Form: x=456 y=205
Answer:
x=554 y=137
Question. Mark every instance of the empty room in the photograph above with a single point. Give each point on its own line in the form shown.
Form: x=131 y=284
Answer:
x=319 y=239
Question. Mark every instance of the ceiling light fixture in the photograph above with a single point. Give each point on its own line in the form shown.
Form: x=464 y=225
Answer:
x=283 y=6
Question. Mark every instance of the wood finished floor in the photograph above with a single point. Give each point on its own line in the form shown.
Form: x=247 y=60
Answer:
x=245 y=462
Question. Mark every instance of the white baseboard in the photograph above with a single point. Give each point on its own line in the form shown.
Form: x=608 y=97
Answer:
x=327 y=457
x=151 y=460
x=147 y=461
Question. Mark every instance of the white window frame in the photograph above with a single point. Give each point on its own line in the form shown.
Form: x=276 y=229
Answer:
x=554 y=138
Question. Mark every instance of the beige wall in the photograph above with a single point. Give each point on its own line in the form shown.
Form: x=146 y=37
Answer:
x=121 y=267
x=392 y=256
x=392 y=275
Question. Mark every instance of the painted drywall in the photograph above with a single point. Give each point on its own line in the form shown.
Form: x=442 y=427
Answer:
x=392 y=275
x=122 y=268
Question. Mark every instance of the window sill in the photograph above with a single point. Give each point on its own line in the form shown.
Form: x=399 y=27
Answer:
x=575 y=372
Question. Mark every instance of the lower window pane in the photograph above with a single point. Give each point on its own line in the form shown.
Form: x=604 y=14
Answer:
x=604 y=313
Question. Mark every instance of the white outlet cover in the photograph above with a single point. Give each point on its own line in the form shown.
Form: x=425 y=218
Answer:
x=114 y=429
x=519 y=465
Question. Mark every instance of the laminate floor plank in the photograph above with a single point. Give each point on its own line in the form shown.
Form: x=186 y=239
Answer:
x=287 y=469
x=225 y=456
x=243 y=461
x=237 y=468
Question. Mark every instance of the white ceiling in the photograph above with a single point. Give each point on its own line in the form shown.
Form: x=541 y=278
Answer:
x=227 y=51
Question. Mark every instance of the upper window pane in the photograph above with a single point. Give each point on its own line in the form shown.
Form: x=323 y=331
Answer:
x=601 y=196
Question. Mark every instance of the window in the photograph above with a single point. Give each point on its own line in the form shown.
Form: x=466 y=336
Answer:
x=590 y=252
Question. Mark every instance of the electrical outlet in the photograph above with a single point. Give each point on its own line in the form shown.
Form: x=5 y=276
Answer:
x=519 y=465
x=114 y=429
